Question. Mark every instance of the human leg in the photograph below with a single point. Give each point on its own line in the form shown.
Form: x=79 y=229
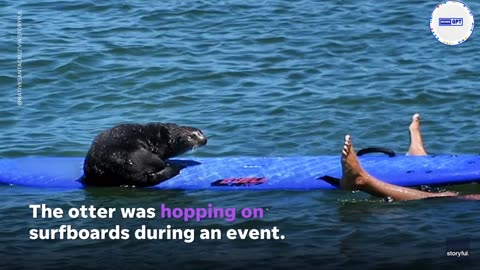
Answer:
x=416 y=142
x=355 y=177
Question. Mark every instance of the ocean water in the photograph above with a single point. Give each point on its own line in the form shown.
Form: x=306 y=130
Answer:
x=260 y=78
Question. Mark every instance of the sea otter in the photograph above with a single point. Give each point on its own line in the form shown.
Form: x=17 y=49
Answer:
x=137 y=155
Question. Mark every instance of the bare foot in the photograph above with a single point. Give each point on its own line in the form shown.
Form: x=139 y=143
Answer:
x=353 y=175
x=416 y=142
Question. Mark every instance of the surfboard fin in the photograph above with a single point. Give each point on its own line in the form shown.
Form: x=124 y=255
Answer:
x=331 y=180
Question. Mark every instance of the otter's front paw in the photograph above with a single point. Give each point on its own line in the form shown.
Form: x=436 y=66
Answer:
x=172 y=170
x=168 y=172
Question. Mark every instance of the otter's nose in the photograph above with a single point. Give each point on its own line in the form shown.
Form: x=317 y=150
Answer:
x=200 y=137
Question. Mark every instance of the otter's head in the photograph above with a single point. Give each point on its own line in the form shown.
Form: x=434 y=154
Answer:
x=183 y=139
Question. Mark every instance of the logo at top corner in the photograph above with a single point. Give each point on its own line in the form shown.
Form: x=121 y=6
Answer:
x=452 y=22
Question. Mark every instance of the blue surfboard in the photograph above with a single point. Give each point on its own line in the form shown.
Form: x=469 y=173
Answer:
x=257 y=173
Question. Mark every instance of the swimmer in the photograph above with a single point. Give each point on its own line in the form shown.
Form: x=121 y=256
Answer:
x=354 y=177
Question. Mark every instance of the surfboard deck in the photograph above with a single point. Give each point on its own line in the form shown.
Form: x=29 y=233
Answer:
x=257 y=173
